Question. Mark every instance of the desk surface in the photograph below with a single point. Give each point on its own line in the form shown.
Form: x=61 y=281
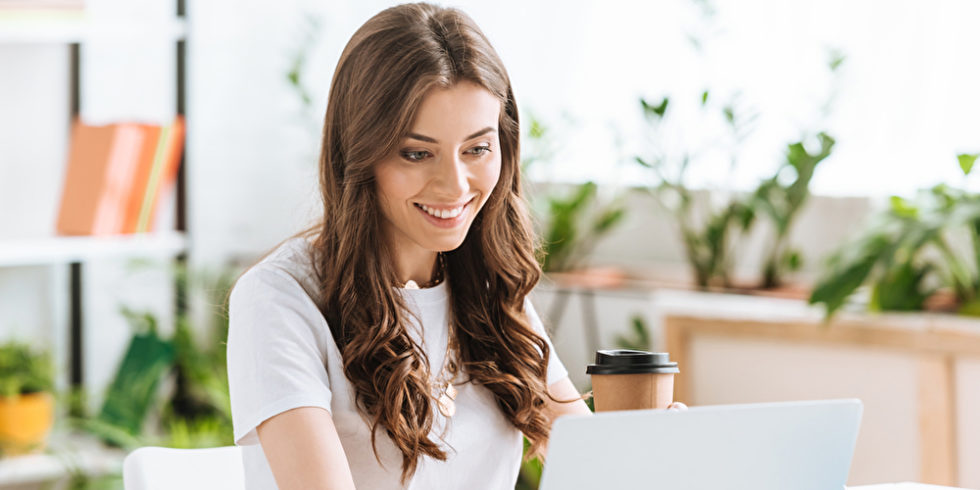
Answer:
x=901 y=486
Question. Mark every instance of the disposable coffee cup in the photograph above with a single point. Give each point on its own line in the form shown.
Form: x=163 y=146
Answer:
x=625 y=379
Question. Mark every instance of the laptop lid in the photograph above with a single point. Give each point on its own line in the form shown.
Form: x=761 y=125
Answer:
x=767 y=446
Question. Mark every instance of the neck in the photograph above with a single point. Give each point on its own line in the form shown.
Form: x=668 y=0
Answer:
x=420 y=267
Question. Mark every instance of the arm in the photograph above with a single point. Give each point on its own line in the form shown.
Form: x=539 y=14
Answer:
x=304 y=450
x=565 y=390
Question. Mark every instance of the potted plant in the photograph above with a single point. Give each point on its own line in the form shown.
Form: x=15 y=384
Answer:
x=707 y=232
x=909 y=257
x=26 y=399
x=571 y=219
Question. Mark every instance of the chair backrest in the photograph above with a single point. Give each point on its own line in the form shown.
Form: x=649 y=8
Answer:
x=160 y=468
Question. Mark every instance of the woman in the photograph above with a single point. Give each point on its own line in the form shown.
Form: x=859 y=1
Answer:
x=392 y=346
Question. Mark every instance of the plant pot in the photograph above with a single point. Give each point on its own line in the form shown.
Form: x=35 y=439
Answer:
x=591 y=277
x=25 y=422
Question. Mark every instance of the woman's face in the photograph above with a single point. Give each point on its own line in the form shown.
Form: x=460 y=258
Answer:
x=440 y=176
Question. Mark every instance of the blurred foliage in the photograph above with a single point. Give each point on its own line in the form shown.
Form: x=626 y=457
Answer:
x=573 y=222
x=781 y=203
x=309 y=34
x=906 y=256
x=529 y=476
x=638 y=337
x=574 y=226
x=196 y=412
x=24 y=369
x=707 y=234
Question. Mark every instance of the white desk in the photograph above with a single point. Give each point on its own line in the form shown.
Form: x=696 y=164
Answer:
x=901 y=486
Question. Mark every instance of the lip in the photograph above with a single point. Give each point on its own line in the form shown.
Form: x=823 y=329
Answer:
x=447 y=223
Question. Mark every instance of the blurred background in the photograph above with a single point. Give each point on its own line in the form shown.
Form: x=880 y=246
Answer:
x=778 y=193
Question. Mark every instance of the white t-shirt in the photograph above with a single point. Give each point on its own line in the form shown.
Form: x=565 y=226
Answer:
x=281 y=356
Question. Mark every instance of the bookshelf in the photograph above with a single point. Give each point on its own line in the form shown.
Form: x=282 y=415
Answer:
x=74 y=453
x=71 y=453
x=72 y=31
x=66 y=250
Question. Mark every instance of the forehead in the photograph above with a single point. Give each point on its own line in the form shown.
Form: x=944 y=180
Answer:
x=453 y=113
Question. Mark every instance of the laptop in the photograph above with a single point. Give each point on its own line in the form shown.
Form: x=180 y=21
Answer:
x=767 y=446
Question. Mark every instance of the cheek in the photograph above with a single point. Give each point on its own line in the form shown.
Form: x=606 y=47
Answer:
x=390 y=184
x=491 y=175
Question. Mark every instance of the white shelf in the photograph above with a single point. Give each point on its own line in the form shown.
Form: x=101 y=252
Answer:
x=63 y=250
x=66 y=454
x=66 y=30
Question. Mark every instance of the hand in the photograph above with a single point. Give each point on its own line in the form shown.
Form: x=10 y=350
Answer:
x=677 y=406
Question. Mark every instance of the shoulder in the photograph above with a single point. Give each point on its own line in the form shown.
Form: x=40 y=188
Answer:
x=287 y=270
x=276 y=300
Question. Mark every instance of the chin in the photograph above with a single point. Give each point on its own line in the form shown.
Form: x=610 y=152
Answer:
x=446 y=246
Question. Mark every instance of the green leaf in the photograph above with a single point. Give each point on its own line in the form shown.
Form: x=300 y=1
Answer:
x=837 y=58
x=658 y=110
x=24 y=369
x=967 y=161
x=638 y=337
x=902 y=208
x=704 y=97
x=850 y=273
x=729 y=113
x=793 y=260
x=562 y=234
x=901 y=288
x=608 y=220
x=970 y=308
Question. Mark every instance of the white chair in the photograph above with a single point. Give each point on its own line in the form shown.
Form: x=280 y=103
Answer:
x=160 y=468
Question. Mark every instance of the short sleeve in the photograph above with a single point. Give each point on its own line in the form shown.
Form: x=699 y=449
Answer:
x=277 y=345
x=556 y=370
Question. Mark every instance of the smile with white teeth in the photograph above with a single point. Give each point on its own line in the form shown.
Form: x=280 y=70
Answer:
x=443 y=213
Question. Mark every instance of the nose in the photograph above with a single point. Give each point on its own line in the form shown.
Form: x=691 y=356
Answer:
x=453 y=177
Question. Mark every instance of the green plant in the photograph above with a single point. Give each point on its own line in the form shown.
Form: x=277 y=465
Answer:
x=573 y=222
x=24 y=369
x=906 y=255
x=707 y=234
x=781 y=203
x=781 y=197
x=574 y=227
x=133 y=390
x=638 y=337
x=197 y=413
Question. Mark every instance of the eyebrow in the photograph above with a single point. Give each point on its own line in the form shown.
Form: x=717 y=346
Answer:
x=428 y=139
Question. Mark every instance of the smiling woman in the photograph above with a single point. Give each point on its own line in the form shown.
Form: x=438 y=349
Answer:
x=343 y=371
x=432 y=187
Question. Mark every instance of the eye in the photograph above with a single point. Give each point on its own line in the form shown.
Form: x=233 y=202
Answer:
x=415 y=156
x=479 y=150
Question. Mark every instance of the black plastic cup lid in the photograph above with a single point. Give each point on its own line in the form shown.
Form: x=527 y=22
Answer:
x=626 y=361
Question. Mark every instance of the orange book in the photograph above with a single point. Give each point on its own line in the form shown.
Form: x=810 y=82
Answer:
x=119 y=178
x=141 y=177
x=163 y=175
x=88 y=158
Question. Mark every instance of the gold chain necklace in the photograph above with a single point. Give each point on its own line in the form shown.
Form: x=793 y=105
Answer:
x=447 y=396
x=437 y=276
x=447 y=391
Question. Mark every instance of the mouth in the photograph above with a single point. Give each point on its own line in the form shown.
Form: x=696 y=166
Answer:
x=445 y=216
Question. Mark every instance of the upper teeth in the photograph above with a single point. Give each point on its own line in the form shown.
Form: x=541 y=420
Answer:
x=443 y=213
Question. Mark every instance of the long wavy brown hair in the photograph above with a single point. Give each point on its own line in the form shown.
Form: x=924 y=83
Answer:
x=384 y=72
